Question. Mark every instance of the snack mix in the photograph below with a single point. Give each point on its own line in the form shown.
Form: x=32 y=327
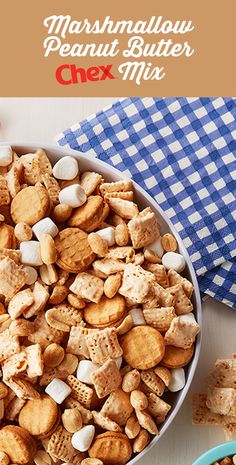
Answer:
x=226 y=461
x=96 y=320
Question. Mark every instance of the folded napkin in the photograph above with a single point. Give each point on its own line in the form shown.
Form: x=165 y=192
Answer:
x=183 y=152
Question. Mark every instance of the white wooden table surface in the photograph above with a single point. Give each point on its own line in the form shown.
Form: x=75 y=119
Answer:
x=39 y=120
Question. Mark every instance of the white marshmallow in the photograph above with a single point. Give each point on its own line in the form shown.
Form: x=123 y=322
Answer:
x=32 y=274
x=31 y=253
x=156 y=247
x=66 y=168
x=178 y=380
x=45 y=226
x=58 y=390
x=82 y=439
x=174 y=261
x=137 y=316
x=108 y=234
x=6 y=155
x=188 y=318
x=119 y=362
x=74 y=196
x=84 y=370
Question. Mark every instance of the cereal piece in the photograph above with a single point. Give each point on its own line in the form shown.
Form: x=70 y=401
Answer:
x=52 y=187
x=106 y=378
x=126 y=252
x=221 y=400
x=136 y=283
x=138 y=400
x=105 y=423
x=182 y=304
x=202 y=415
x=143 y=228
x=160 y=273
x=125 y=326
x=77 y=341
x=74 y=252
x=169 y=243
x=173 y=260
x=98 y=244
x=14 y=365
x=53 y=355
x=175 y=357
x=79 y=391
x=17 y=444
x=223 y=374
x=21 y=327
x=105 y=313
x=111 y=448
x=119 y=186
x=9 y=345
x=60 y=445
x=176 y=278
x=90 y=216
x=30 y=205
x=43 y=333
x=103 y=345
x=4 y=459
x=34 y=360
x=89 y=181
x=151 y=257
x=132 y=427
x=146 y=422
x=5 y=198
x=20 y=302
x=118 y=407
x=5 y=322
x=129 y=195
x=157 y=407
x=14 y=178
x=124 y=208
x=42 y=458
x=112 y=285
x=82 y=440
x=61 y=213
x=141 y=441
x=182 y=333
x=41 y=296
x=230 y=432
x=23 y=232
x=12 y=278
x=35 y=166
x=72 y=420
x=2 y=409
x=160 y=318
x=108 y=266
x=131 y=381
x=88 y=287
x=48 y=274
x=122 y=235
x=164 y=374
x=48 y=249
x=153 y=381
x=143 y=347
x=3 y=390
x=23 y=389
x=62 y=317
x=178 y=380
x=58 y=295
x=76 y=301
x=7 y=237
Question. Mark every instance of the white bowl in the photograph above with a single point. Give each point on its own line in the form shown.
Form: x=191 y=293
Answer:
x=143 y=199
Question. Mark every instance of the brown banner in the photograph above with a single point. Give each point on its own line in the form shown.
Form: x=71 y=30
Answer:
x=104 y=48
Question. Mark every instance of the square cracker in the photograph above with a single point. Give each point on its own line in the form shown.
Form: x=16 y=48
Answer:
x=144 y=228
x=12 y=278
x=103 y=345
x=137 y=284
x=60 y=446
x=181 y=334
x=9 y=345
x=88 y=287
x=202 y=415
x=20 y=302
x=106 y=379
x=14 y=365
x=77 y=341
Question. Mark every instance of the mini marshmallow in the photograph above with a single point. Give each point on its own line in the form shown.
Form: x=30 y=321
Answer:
x=6 y=155
x=174 y=261
x=178 y=380
x=66 y=168
x=137 y=316
x=82 y=439
x=108 y=234
x=118 y=362
x=58 y=390
x=84 y=370
x=45 y=226
x=188 y=318
x=156 y=247
x=74 y=196
x=31 y=253
x=32 y=274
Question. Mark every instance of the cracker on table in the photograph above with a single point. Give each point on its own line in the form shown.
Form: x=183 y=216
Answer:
x=202 y=415
x=221 y=400
x=224 y=374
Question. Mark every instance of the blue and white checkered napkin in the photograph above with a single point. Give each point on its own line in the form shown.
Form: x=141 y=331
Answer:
x=183 y=152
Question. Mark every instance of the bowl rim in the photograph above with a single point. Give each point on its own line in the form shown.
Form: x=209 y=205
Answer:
x=216 y=453
x=58 y=150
